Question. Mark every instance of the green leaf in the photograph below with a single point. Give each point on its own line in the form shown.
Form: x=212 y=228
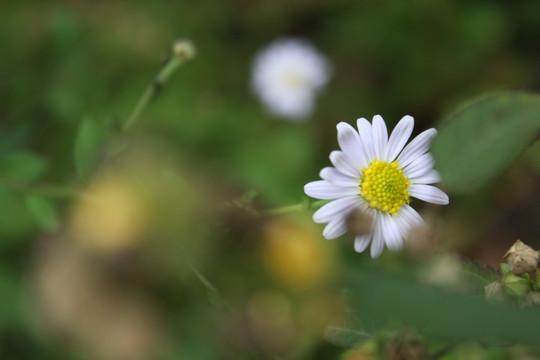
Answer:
x=87 y=148
x=390 y=298
x=22 y=167
x=505 y=268
x=480 y=140
x=43 y=212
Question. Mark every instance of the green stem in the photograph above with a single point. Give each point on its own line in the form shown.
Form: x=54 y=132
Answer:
x=208 y=284
x=182 y=51
x=306 y=205
x=152 y=90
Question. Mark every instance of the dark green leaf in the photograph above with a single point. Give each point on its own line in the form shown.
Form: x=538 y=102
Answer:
x=479 y=140
x=87 y=148
x=390 y=298
x=43 y=212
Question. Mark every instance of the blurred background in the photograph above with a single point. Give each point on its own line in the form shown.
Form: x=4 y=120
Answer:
x=163 y=250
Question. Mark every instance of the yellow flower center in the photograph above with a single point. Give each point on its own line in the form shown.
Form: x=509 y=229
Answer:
x=384 y=187
x=293 y=79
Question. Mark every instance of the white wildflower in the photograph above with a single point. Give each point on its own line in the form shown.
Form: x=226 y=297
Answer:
x=378 y=175
x=287 y=75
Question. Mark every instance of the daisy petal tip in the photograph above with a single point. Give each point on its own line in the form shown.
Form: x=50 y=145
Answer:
x=361 y=121
x=361 y=242
x=307 y=188
x=358 y=249
x=317 y=219
x=429 y=193
x=326 y=234
x=378 y=118
x=341 y=125
x=344 y=130
x=407 y=119
x=375 y=253
x=445 y=200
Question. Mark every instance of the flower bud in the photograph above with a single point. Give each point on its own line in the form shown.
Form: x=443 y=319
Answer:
x=183 y=49
x=522 y=258
x=494 y=292
x=516 y=285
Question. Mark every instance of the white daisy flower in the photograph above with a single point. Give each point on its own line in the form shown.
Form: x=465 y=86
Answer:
x=377 y=174
x=287 y=75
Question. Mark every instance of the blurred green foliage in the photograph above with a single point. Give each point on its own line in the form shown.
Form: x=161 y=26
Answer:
x=491 y=132
x=72 y=71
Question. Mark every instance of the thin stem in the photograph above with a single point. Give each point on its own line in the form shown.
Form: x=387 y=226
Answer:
x=201 y=277
x=152 y=90
x=207 y=283
x=296 y=207
x=182 y=51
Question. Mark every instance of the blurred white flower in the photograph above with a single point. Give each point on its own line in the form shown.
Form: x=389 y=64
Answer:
x=287 y=75
x=377 y=175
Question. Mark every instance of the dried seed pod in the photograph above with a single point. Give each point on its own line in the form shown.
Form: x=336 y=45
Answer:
x=522 y=258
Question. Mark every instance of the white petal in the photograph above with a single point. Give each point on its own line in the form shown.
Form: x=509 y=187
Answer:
x=336 y=177
x=380 y=137
x=430 y=177
x=343 y=163
x=361 y=242
x=377 y=244
x=364 y=130
x=399 y=137
x=429 y=193
x=404 y=226
x=325 y=190
x=391 y=231
x=350 y=143
x=335 y=228
x=418 y=146
x=337 y=208
x=420 y=166
x=410 y=216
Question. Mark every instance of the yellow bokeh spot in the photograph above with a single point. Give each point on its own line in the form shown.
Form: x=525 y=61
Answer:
x=384 y=186
x=295 y=256
x=111 y=215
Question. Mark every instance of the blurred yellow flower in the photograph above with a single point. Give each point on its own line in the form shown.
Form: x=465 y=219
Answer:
x=112 y=216
x=293 y=254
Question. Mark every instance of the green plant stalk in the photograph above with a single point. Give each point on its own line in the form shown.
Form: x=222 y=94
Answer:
x=153 y=89
x=306 y=205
